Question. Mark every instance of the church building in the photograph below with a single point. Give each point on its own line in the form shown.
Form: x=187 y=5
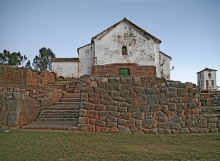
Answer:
x=122 y=49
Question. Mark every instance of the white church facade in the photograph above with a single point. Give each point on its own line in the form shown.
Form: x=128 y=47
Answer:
x=122 y=49
x=206 y=80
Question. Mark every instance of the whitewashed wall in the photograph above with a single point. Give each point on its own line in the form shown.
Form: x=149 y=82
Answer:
x=66 y=69
x=201 y=81
x=163 y=66
x=108 y=50
x=86 y=60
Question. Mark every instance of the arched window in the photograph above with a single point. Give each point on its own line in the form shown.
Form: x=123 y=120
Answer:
x=124 y=50
x=209 y=75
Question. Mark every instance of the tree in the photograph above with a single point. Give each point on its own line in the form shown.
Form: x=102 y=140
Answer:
x=28 y=65
x=43 y=60
x=13 y=59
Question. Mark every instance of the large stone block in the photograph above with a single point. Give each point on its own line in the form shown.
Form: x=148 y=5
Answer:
x=190 y=123
x=86 y=90
x=111 y=118
x=100 y=90
x=122 y=109
x=144 y=108
x=114 y=130
x=106 y=97
x=92 y=114
x=103 y=115
x=203 y=130
x=111 y=79
x=122 y=122
x=181 y=106
x=82 y=127
x=128 y=86
x=133 y=108
x=164 y=101
x=191 y=105
x=114 y=113
x=94 y=100
x=138 y=123
x=130 y=122
x=93 y=84
x=93 y=95
x=105 y=129
x=160 y=116
x=172 y=107
x=18 y=96
x=116 y=80
x=90 y=128
x=13 y=105
x=100 y=107
x=123 y=80
x=125 y=93
x=149 y=91
x=83 y=120
x=152 y=100
x=119 y=87
x=213 y=119
x=104 y=102
x=184 y=131
x=112 y=108
x=115 y=103
x=136 y=81
x=164 y=125
x=125 y=130
x=101 y=85
x=154 y=108
x=129 y=80
x=100 y=123
x=171 y=94
x=153 y=131
x=12 y=119
x=92 y=121
x=82 y=112
x=84 y=97
x=175 y=84
x=175 y=126
x=109 y=86
x=111 y=124
x=140 y=99
x=124 y=104
x=181 y=92
x=138 y=115
x=119 y=99
x=212 y=125
x=149 y=123
x=148 y=115
x=130 y=100
x=139 y=90
x=125 y=115
x=132 y=94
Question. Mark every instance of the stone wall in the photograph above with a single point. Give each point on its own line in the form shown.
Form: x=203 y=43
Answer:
x=210 y=99
x=20 y=106
x=23 y=76
x=143 y=105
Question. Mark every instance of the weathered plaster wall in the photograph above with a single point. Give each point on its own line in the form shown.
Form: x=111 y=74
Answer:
x=143 y=105
x=20 y=106
x=86 y=60
x=163 y=66
x=108 y=49
x=66 y=69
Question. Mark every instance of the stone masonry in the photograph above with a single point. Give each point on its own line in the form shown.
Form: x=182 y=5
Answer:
x=143 y=105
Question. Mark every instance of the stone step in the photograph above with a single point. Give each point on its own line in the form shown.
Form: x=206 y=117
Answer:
x=58 y=115
x=64 y=108
x=52 y=125
x=69 y=100
x=57 y=119
x=73 y=103
x=61 y=111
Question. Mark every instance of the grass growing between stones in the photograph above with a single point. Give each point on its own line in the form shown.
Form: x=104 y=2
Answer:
x=67 y=146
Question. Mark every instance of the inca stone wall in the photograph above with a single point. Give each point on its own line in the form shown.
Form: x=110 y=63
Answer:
x=210 y=99
x=23 y=76
x=143 y=105
x=20 y=106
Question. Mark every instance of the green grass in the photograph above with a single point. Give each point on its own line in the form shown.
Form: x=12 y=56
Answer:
x=67 y=146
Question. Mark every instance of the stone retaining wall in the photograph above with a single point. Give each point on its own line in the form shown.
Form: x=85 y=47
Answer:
x=139 y=105
x=210 y=99
x=23 y=76
x=20 y=106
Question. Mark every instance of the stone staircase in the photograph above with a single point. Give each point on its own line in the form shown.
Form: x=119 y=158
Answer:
x=63 y=115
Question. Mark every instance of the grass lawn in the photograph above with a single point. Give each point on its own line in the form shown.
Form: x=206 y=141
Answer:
x=67 y=146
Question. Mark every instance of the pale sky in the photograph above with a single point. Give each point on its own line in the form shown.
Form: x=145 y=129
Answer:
x=189 y=29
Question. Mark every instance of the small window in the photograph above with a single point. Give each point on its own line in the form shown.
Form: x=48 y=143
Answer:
x=124 y=50
x=209 y=75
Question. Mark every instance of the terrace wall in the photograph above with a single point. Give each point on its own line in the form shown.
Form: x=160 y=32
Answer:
x=143 y=105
